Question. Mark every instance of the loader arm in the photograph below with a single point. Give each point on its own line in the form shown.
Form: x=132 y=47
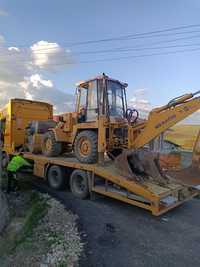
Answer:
x=161 y=119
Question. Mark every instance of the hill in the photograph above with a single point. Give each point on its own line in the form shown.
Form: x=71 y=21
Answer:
x=183 y=135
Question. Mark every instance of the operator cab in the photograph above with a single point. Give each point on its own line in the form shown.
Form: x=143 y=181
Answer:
x=101 y=96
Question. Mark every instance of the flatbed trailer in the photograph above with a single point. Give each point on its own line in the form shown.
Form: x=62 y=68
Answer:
x=106 y=180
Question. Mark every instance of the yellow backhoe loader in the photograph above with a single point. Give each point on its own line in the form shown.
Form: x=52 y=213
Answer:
x=103 y=123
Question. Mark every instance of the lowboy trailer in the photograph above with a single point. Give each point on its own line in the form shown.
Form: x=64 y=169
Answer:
x=106 y=179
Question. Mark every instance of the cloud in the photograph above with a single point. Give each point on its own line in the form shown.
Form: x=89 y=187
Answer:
x=13 y=48
x=14 y=64
x=22 y=74
x=3 y=13
x=49 y=56
x=140 y=102
x=37 y=80
x=35 y=87
x=18 y=63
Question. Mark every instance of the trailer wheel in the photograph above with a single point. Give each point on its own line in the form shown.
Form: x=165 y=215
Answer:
x=56 y=177
x=50 y=147
x=85 y=147
x=79 y=184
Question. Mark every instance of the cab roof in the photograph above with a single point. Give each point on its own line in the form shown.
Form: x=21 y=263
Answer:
x=100 y=77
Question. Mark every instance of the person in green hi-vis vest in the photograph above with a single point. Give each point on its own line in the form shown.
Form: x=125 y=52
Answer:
x=16 y=164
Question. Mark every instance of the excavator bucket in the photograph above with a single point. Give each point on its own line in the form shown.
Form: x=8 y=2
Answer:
x=139 y=165
x=122 y=163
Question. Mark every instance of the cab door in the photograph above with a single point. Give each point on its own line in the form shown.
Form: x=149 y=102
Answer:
x=88 y=104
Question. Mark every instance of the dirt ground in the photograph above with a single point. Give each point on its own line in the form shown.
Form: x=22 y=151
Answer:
x=120 y=235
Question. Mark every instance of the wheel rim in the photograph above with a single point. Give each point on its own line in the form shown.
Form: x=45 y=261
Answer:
x=79 y=184
x=55 y=181
x=84 y=147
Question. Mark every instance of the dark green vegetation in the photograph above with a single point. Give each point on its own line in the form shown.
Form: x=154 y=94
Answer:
x=24 y=220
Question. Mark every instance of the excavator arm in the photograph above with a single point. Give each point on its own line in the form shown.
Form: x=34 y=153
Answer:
x=161 y=119
x=135 y=159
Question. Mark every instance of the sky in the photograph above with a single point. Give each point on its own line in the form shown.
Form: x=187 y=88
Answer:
x=41 y=55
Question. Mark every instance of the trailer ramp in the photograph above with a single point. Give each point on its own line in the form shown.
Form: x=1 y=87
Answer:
x=147 y=193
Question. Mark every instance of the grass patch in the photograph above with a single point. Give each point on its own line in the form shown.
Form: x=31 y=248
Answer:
x=36 y=209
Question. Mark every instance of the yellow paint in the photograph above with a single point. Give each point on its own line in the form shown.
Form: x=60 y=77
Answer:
x=163 y=118
x=16 y=115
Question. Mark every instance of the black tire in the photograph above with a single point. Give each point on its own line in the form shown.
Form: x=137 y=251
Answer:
x=56 y=177
x=114 y=153
x=79 y=184
x=50 y=147
x=90 y=139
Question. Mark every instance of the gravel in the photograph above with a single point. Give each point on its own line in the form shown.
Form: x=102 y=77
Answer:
x=60 y=226
x=54 y=242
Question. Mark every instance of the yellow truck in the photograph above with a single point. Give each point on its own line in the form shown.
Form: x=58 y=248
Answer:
x=14 y=119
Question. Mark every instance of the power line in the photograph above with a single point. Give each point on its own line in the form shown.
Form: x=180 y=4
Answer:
x=123 y=48
x=134 y=36
x=122 y=58
x=114 y=51
x=187 y=37
x=135 y=56
x=140 y=46
x=127 y=37
x=142 y=56
x=135 y=49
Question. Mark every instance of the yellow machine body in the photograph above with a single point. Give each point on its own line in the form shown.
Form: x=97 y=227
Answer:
x=15 y=117
x=132 y=135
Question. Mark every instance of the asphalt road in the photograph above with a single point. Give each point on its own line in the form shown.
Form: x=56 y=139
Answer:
x=119 y=235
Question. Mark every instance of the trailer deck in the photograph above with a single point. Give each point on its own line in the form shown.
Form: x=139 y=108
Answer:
x=106 y=179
